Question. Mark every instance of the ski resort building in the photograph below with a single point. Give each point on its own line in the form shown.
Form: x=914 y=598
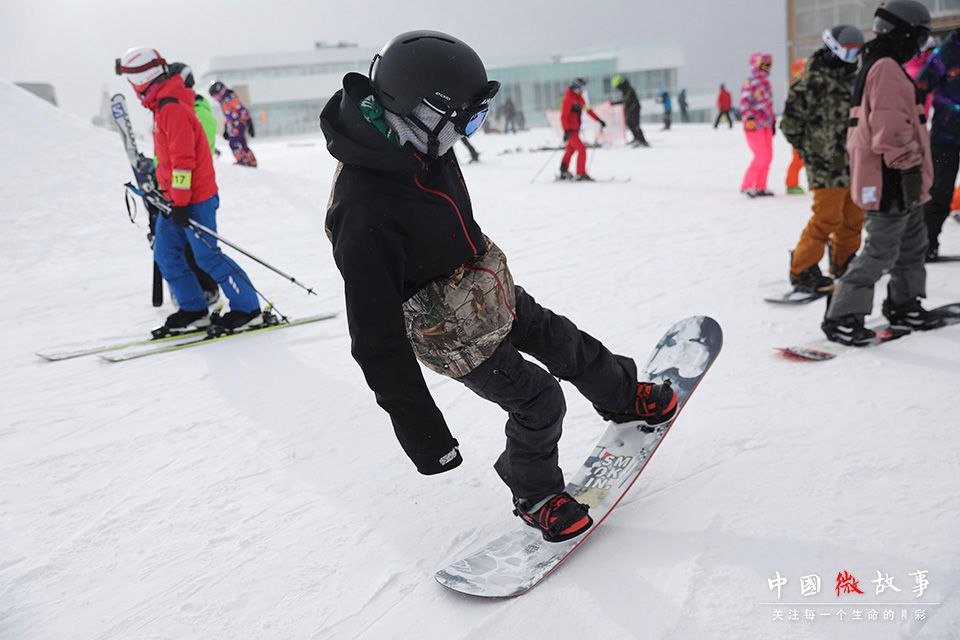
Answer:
x=285 y=92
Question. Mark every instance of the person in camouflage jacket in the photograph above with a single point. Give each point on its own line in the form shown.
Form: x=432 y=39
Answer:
x=815 y=122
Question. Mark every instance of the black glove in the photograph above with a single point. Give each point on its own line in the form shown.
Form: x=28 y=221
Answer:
x=180 y=216
x=566 y=134
x=603 y=124
x=250 y=128
x=911 y=187
x=226 y=134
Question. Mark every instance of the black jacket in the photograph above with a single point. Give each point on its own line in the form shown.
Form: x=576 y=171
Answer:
x=397 y=221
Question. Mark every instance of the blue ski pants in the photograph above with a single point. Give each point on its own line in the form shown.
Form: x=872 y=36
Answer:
x=169 y=245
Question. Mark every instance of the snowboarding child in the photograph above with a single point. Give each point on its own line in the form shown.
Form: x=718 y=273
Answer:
x=570 y=112
x=422 y=281
x=941 y=78
x=815 y=122
x=237 y=123
x=759 y=122
x=891 y=173
x=631 y=109
x=724 y=105
x=186 y=177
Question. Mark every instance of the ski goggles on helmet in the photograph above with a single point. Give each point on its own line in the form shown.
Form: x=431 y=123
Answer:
x=846 y=52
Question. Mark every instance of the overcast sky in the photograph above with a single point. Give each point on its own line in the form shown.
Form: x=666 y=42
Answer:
x=72 y=44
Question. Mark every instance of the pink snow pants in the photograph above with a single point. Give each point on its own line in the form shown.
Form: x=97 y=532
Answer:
x=761 y=143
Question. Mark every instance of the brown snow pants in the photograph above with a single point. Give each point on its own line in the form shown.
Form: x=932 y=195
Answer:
x=835 y=219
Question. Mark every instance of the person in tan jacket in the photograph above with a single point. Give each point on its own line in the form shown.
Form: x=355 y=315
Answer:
x=891 y=173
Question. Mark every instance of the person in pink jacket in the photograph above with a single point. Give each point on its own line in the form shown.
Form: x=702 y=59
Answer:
x=759 y=122
x=890 y=174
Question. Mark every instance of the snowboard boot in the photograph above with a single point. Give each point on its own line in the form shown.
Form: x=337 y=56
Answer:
x=837 y=270
x=653 y=404
x=234 y=321
x=933 y=253
x=795 y=191
x=558 y=518
x=848 y=330
x=811 y=280
x=582 y=177
x=910 y=315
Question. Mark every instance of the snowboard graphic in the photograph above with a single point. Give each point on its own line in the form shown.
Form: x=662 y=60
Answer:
x=823 y=349
x=517 y=561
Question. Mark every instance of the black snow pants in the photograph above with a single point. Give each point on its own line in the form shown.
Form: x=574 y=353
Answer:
x=946 y=162
x=532 y=397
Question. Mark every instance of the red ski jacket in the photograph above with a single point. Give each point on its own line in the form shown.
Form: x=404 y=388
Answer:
x=573 y=105
x=724 y=101
x=184 y=164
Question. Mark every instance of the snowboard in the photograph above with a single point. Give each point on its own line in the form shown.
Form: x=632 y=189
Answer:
x=821 y=350
x=517 y=561
x=944 y=259
x=797 y=297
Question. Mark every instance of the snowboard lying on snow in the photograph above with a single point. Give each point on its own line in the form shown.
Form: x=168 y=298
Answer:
x=517 y=561
x=820 y=350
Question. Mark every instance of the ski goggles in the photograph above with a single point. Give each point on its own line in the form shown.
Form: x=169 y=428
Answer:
x=468 y=120
x=846 y=52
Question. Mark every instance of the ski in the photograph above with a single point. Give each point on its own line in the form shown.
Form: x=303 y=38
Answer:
x=613 y=180
x=56 y=356
x=209 y=338
x=823 y=350
x=520 y=559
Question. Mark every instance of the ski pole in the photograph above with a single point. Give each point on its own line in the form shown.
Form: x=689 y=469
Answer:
x=544 y=166
x=160 y=203
x=196 y=226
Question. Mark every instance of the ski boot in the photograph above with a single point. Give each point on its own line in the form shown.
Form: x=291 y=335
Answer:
x=234 y=321
x=564 y=175
x=763 y=193
x=910 y=315
x=750 y=193
x=848 y=330
x=653 y=404
x=582 y=177
x=558 y=518
x=811 y=280
x=183 y=321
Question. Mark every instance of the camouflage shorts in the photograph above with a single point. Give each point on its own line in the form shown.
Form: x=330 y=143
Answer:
x=454 y=324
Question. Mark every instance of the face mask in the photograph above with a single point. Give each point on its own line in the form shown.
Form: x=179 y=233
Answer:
x=409 y=131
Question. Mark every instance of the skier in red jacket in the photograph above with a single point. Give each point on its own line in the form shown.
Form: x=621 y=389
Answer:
x=186 y=178
x=573 y=105
x=724 y=105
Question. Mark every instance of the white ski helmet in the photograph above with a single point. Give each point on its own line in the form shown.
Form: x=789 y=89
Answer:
x=141 y=66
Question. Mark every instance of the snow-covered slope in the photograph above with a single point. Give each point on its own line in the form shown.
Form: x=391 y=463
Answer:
x=253 y=489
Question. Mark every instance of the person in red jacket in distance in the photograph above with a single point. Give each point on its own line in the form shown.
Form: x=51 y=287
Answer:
x=724 y=105
x=573 y=106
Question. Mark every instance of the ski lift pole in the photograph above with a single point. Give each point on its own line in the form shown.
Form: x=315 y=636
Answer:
x=196 y=226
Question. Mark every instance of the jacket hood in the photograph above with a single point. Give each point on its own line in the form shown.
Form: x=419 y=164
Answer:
x=172 y=87
x=352 y=140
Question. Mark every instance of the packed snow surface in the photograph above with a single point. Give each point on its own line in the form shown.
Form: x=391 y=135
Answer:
x=253 y=489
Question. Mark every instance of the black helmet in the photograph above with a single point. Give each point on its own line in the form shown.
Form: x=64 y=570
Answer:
x=845 y=41
x=184 y=71
x=905 y=23
x=901 y=14
x=429 y=66
x=217 y=89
